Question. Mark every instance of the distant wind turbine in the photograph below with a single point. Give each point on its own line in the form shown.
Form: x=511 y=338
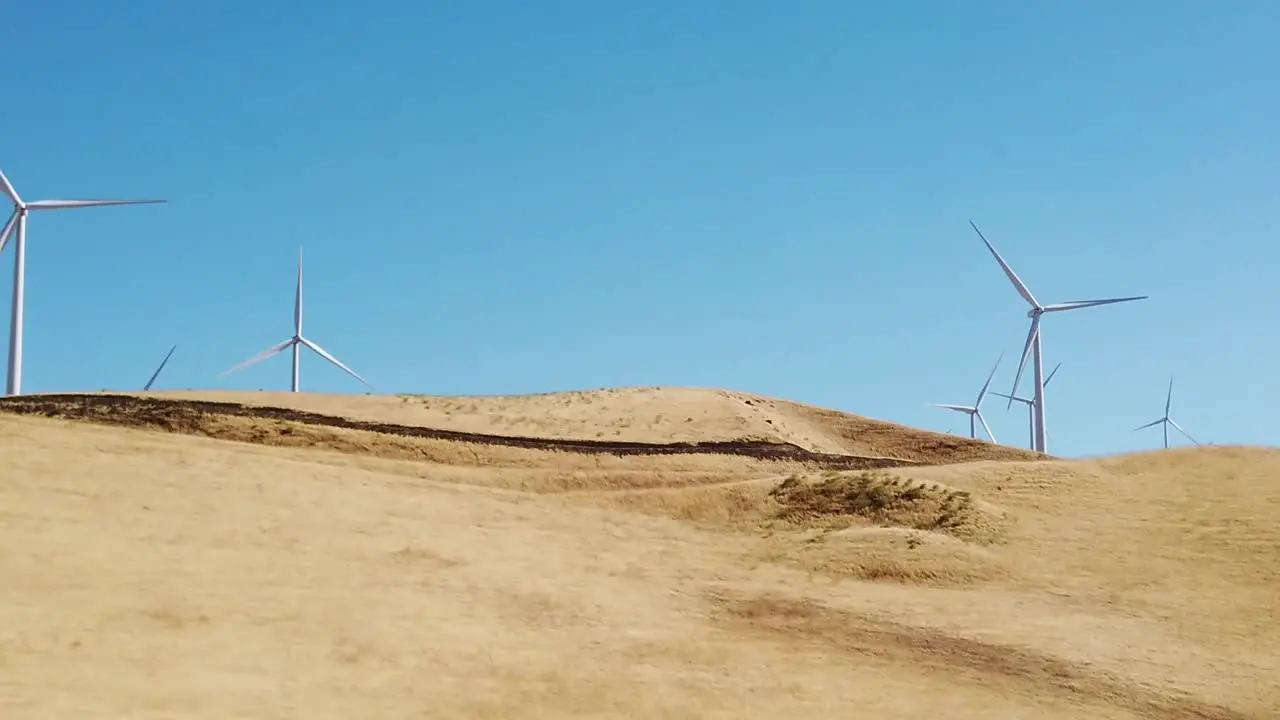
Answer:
x=975 y=411
x=13 y=383
x=296 y=342
x=156 y=374
x=1031 y=405
x=1166 y=420
x=1033 y=337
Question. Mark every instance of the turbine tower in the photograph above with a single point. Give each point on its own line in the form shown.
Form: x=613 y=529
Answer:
x=1167 y=421
x=1033 y=336
x=1031 y=415
x=156 y=374
x=975 y=411
x=13 y=383
x=296 y=342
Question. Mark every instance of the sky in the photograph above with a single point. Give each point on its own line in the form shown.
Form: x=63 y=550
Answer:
x=500 y=197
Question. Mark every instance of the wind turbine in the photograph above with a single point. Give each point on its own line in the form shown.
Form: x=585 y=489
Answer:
x=975 y=412
x=13 y=384
x=1167 y=421
x=156 y=374
x=1033 y=336
x=1031 y=416
x=296 y=342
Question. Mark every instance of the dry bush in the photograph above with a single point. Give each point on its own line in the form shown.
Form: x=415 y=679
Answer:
x=880 y=498
x=866 y=526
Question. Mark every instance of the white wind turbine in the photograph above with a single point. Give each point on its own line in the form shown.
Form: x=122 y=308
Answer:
x=975 y=411
x=296 y=342
x=1031 y=404
x=13 y=384
x=1034 y=340
x=1167 y=421
x=156 y=374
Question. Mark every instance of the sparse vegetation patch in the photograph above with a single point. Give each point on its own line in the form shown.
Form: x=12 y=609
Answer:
x=876 y=497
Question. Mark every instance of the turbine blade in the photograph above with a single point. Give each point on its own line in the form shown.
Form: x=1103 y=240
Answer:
x=1168 y=398
x=7 y=187
x=1026 y=350
x=273 y=350
x=71 y=204
x=1153 y=423
x=8 y=228
x=156 y=374
x=325 y=354
x=1078 y=304
x=985 y=426
x=1021 y=287
x=1052 y=373
x=1014 y=398
x=983 y=392
x=957 y=408
x=1184 y=432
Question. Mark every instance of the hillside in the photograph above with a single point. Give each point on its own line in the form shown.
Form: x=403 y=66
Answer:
x=171 y=559
x=641 y=415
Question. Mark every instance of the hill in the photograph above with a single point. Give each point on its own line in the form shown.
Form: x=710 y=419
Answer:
x=170 y=558
x=648 y=415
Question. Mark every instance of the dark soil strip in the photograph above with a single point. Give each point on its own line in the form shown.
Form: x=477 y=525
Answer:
x=184 y=416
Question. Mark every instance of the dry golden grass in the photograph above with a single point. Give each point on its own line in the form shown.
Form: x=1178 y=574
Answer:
x=641 y=414
x=284 y=569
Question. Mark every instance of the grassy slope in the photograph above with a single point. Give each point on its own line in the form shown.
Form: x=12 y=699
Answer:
x=640 y=414
x=160 y=575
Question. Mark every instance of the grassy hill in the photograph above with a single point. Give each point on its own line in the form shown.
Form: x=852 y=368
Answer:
x=645 y=552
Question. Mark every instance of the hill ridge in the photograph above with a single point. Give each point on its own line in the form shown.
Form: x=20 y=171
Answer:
x=180 y=416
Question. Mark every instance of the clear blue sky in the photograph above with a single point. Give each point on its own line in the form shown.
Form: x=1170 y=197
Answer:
x=510 y=197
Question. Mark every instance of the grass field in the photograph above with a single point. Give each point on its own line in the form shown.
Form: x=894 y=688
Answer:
x=203 y=555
